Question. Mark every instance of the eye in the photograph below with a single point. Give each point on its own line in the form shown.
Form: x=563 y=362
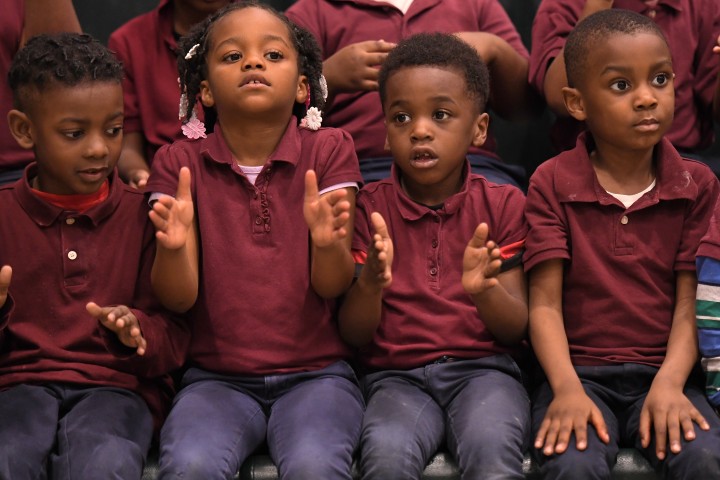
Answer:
x=620 y=85
x=274 y=55
x=73 y=134
x=232 y=57
x=661 y=79
x=401 y=118
x=441 y=115
x=113 y=131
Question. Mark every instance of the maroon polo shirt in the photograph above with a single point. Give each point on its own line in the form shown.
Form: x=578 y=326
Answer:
x=426 y=312
x=12 y=19
x=257 y=313
x=620 y=264
x=691 y=28
x=710 y=244
x=147 y=49
x=339 y=23
x=62 y=260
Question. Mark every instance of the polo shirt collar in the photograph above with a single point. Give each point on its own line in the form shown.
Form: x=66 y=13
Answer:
x=638 y=6
x=415 y=7
x=45 y=214
x=164 y=12
x=288 y=149
x=411 y=210
x=575 y=179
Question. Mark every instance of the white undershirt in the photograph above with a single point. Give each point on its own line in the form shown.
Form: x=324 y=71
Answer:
x=628 y=200
x=402 y=5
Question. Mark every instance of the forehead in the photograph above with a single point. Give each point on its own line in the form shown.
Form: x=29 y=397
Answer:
x=249 y=22
x=87 y=100
x=628 y=51
x=423 y=83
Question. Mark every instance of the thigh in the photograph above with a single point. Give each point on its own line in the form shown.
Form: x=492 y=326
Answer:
x=488 y=424
x=403 y=427
x=596 y=461
x=314 y=427
x=212 y=427
x=104 y=433
x=28 y=426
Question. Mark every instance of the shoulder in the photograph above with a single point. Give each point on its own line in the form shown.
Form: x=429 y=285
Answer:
x=135 y=28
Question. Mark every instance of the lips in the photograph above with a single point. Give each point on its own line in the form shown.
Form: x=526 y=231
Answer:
x=252 y=80
x=423 y=157
x=647 y=125
x=94 y=174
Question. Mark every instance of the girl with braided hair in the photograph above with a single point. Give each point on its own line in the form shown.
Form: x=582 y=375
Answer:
x=253 y=219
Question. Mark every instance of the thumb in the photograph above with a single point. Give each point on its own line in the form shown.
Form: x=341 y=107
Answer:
x=94 y=309
x=479 y=237
x=379 y=225
x=183 y=188
x=311 y=187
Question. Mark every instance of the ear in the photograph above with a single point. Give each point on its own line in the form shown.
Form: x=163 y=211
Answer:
x=480 y=130
x=302 y=89
x=574 y=103
x=21 y=128
x=206 y=96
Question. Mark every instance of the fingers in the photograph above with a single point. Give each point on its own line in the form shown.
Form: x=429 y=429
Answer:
x=5 y=277
x=184 y=183
x=311 y=187
x=120 y=320
x=597 y=421
x=379 y=225
x=479 y=237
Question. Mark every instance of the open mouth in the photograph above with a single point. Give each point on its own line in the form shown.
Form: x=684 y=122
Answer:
x=254 y=81
x=424 y=159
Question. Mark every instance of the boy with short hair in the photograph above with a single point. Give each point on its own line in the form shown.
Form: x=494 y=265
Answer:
x=441 y=331
x=85 y=349
x=614 y=227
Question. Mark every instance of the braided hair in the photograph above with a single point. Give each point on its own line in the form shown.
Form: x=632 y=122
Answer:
x=192 y=71
x=64 y=59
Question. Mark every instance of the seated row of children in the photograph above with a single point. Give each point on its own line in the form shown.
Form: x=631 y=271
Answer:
x=262 y=269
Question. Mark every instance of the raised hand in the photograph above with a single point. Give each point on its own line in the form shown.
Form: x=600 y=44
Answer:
x=121 y=320
x=380 y=254
x=356 y=66
x=716 y=47
x=138 y=178
x=326 y=216
x=173 y=217
x=481 y=262
x=5 y=276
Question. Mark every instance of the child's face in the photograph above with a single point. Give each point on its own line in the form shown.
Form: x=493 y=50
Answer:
x=204 y=7
x=626 y=96
x=431 y=122
x=76 y=134
x=252 y=67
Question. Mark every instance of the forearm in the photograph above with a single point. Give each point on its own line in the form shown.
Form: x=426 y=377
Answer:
x=331 y=270
x=511 y=95
x=505 y=311
x=175 y=276
x=360 y=312
x=49 y=16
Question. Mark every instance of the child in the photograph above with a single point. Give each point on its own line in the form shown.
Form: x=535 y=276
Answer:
x=84 y=349
x=21 y=20
x=692 y=28
x=147 y=48
x=357 y=35
x=708 y=300
x=614 y=226
x=266 y=359
x=443 y=327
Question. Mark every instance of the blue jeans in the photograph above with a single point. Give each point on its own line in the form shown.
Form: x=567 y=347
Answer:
x=10 y=176
x=74 y=432
x=311 y=421
x=619 y=392
x=479 y=407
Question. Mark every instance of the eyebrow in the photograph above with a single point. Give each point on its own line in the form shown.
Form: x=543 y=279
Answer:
x=114 y=116
x=266 y=38
x=438 y=99
x=626 y=69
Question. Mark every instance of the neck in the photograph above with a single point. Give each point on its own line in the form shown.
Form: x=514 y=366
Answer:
x=622 y=171
x=431 y=195
x=251 y=143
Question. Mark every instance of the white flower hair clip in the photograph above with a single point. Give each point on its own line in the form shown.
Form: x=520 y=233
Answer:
x=312 y=120
x=323 y=87
x=191 y=53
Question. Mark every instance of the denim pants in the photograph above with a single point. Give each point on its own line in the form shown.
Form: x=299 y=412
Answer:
x=478 y=408
x=619 y=392
x=311 y=421
x=73 y=432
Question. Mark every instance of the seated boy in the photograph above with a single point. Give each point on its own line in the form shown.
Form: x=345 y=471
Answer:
x=441 y=331
x=691 y=28
x=84 y=349
x=614 y=227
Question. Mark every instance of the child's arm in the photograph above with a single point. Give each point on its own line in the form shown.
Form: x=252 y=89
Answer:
x=555 y=77
x=571 y=409
x=132 y=165
x=666 y=409
x=330 y=220
x=49 y=16
x=175 y=269
x=5 y=276
x=500 y=298
x=121 y=320
x=361 y=309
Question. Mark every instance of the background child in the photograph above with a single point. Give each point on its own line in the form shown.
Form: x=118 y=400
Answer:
x=614 y=227
x=266 y=357
x=147 y=48
x=357 y=35
x=451 y=314
x=84 y=348
x=692 y=28
x=21 y=20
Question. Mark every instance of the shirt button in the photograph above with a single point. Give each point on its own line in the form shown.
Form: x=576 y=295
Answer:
x=72 y=254
x=624 y=220
x=434 y=243
x=258 y=220
x=69 y=220
x=652 y=13
x=433 y=271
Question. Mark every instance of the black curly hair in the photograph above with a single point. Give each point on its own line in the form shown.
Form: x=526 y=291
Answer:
x=63 y=59
x=594 y=30
x=443 y=51
x=194 y=70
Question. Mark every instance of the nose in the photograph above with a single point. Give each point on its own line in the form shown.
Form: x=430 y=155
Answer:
x=96 y=147
x=253 y=61
x=645 y=98
x=421 y=130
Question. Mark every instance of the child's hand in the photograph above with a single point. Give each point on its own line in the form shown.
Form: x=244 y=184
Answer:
x=173 y=217
x=355 y=67
x=568 y=412
x=138 y=178
x=5 y=276
x=380 y=253
x=668 y=411
x=481 y=262
x=123 y=322
x=326 y=216
x=592 y=6
x=716 y=48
